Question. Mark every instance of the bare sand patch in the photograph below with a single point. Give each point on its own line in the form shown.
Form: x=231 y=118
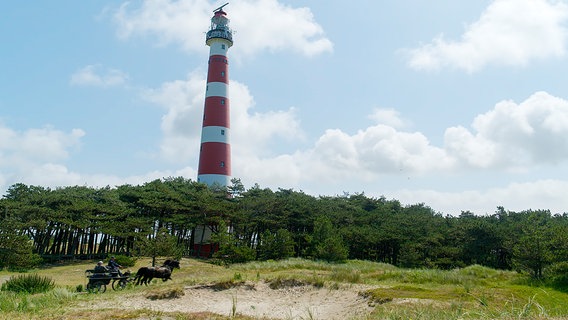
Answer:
x=258 y=300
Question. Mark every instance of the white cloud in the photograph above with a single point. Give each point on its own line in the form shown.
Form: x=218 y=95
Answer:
x=96 y=75
x=389 y=117
x=45 y=144
x=267 y=24
x=259 y=25
x=508 y=32
x=31 y=155
x=38 y=157
x=372 y=152
x=510 y=137
x=54 y=175
x=536 y=195
x=514 y=136
x=181 y=125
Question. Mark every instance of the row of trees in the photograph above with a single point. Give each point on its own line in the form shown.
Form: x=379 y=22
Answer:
x=266 y=224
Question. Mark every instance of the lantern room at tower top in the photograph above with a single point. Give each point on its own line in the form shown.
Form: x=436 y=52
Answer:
x=220 y=27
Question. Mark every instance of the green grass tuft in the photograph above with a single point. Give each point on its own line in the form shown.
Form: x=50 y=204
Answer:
x=28 y=283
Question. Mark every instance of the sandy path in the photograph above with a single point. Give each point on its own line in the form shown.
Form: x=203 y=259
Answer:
x=259 y=301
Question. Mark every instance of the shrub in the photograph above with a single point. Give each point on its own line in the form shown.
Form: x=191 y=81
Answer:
x=234 y=254
x=16 y=250
x=28 y=283
x=557 y=275
x=125 y=261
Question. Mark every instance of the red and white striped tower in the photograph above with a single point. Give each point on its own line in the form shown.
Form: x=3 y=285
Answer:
x=215 y=153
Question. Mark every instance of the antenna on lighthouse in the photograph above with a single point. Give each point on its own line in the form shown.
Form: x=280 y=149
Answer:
x=220 y=8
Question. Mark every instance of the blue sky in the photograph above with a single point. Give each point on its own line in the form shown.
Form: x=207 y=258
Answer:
x=457 y=105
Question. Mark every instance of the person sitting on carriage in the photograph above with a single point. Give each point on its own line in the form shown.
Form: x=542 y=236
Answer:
x=99 y=268
x=113 y=266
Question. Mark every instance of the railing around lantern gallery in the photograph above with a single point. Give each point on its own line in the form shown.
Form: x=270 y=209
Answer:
x=220 y=33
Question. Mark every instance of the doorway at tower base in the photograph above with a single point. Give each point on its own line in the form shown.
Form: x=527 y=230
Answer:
x=202 y=245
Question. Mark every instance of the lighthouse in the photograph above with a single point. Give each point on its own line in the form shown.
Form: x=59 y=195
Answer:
x=215 y=151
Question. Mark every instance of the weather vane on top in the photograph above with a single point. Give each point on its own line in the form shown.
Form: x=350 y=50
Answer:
x=220 y=8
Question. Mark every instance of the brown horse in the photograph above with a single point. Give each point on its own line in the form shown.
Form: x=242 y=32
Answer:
x=145 y=274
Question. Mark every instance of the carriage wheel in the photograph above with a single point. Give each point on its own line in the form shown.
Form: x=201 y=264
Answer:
x=119 y=284
x=96 y=287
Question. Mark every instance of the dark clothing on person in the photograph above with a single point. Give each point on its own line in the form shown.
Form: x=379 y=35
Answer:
x=100 y=269
x=114 y=267
x=113 y=264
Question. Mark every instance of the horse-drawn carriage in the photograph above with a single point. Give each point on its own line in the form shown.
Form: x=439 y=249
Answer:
x=97 y=282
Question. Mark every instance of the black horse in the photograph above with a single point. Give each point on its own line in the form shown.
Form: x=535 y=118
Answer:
x=145 y=274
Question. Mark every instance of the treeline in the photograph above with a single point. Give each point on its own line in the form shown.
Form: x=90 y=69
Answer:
x=265 y=224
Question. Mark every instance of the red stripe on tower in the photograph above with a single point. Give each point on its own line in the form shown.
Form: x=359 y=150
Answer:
x=215 y=153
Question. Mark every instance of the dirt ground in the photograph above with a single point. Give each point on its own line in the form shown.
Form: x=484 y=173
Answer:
x=258 y=300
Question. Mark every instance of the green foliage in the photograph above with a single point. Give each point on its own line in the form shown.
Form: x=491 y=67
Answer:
x=71 y=222
x=125 y=261
x=557 y=276
x=163 y=244
x=231 y=250
x=16 y=249
x=28 y=283
x=326 y=243
x=276 y=246
x=532 y=250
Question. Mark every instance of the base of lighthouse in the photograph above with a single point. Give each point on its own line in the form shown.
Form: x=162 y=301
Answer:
x=213 y=180
x=202 y=246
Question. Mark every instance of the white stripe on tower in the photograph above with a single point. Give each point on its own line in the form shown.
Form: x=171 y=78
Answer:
x=215 y=153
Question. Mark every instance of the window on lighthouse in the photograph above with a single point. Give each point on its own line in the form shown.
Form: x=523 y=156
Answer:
x=223 y=101
x=222 y=73
x=222 y=132
x=223 y=46
x=222 y=164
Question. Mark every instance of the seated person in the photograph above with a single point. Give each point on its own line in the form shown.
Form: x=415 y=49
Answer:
x=113 y=266
x=100 y=268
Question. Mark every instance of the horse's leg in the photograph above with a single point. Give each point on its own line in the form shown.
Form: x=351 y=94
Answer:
x=140 y=275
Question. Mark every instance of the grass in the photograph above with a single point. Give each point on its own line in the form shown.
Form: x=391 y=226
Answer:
x=474 y=292
x=168 y=293
x=28 y=283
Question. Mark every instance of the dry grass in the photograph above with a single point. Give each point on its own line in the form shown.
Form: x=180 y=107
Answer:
x=168 y=293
